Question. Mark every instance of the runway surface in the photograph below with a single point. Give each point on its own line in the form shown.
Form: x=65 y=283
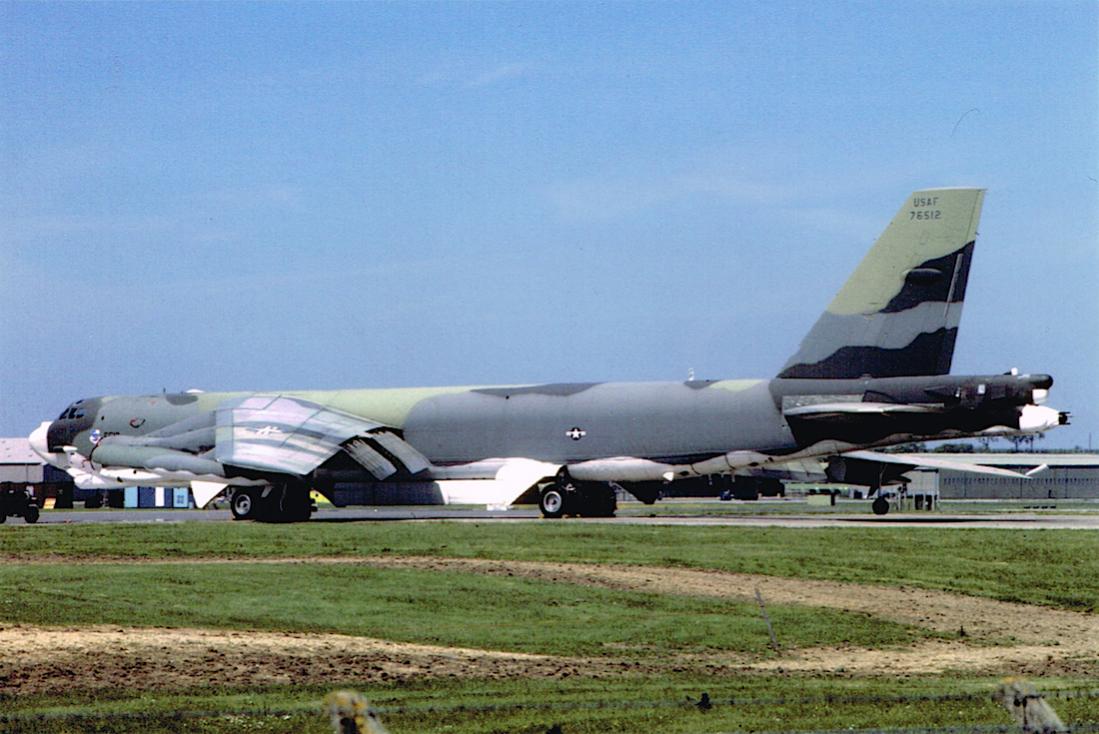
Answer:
x=1009 y=520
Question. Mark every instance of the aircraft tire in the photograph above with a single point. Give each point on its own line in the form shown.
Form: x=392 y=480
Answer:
x=746 y=491
x=297 y=505
x=880 y=506
x=552 y=501
x=598 y=500
x=31 y=514
x=243 y=505
x=283 y=504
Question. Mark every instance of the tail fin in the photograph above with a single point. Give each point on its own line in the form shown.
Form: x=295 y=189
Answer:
x=898 y=313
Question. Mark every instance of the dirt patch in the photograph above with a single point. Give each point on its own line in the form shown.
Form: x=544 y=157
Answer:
x=53 y=659
x=941 y=611
x=1042 y=641
x=999 y=636
x=934 y=657
x=65 y=660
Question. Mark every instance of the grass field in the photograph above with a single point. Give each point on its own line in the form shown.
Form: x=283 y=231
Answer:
x=626 y=705
x=795 y=505
x=453 y=609
x=1049 y=567
x=219 y=627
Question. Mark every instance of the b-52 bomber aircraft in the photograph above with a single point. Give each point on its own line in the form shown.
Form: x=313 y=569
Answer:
x=872 y=372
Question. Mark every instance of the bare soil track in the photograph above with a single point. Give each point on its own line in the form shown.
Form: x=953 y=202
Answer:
x=1000 y=637
x=48 y=659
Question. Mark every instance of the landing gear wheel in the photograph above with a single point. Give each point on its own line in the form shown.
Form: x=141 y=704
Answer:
x=31 y=514
x=745 y=489
x=598 y=501
x=880 y=506
x=552 y=502
x=297 y=505
x=279 y=504
x=243 y=505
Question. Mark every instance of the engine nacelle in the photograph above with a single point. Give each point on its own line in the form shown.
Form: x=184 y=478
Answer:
x=153 y=458
x=864 y=472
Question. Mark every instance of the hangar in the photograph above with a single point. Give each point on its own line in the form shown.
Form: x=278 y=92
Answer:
x=1068 y=476
x=19 y=465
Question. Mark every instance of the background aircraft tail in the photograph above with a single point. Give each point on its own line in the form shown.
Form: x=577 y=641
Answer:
x=898 y=313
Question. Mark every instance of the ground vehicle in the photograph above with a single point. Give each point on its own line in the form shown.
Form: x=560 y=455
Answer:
x=18 y=502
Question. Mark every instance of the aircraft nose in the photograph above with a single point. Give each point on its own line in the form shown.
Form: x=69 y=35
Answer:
x=39 y=441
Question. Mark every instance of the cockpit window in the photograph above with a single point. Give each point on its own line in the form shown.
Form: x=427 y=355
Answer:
x=73 y=411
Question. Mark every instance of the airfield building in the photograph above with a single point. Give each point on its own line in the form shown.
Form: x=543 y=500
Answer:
x=1068 y=476
x=19 y=465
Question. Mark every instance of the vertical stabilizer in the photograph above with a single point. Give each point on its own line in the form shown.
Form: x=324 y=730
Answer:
x=898 y=313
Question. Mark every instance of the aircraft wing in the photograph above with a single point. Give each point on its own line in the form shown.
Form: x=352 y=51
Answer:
x=915 y=460
x=831 y=410
x=286 y=435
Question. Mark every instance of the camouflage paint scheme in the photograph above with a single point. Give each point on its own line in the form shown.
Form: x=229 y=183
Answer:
x=898 y=313
x=871 y=372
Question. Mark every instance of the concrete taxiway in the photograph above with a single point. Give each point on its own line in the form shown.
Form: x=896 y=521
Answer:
x=632 y=516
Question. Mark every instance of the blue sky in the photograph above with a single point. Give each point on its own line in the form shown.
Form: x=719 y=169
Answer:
x=266 y=196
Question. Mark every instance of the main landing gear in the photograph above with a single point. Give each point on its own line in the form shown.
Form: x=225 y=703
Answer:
x=566 y=496
x=880 y=505
x=280 y=503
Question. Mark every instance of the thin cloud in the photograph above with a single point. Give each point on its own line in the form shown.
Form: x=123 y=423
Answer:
x=499 y=74
x=614 y=197
x=468 y=78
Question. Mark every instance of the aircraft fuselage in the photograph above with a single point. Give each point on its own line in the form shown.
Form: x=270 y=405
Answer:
x=568 y=424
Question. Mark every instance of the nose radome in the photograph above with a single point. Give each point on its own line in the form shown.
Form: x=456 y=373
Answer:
x=39 y=441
